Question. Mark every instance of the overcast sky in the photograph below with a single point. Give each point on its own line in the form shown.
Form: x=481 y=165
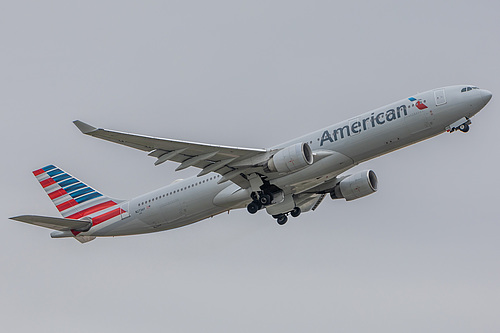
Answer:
x=420 y=255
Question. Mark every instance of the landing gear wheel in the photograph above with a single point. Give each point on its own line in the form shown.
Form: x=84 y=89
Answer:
x=464 y=128
x=282 y=219
x=253 y=207
x=295 y=212
x=265 y=199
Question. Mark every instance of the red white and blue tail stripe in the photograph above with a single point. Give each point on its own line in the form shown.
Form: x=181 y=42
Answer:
x=75 y=199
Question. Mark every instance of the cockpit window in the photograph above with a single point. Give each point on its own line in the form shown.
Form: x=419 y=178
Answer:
x=468 y=89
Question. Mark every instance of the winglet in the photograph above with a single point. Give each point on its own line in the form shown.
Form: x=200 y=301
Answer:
x=83 y=127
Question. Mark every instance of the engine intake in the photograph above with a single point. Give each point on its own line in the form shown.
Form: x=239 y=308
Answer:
x=356 y=186
x=291 y=158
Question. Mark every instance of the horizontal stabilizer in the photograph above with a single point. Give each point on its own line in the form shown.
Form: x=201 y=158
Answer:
x=55 y=223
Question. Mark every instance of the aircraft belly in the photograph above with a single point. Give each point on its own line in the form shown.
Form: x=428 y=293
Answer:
x=119 y=227
x=189 y=208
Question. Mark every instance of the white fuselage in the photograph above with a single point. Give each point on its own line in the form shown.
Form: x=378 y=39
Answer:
x=353 y=141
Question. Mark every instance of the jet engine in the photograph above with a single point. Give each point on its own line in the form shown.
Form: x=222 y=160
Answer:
x=291 y=158
x=356 y=186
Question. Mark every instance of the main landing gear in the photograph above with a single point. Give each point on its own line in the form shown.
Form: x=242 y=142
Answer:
x=283 y=218
x=262 y=199
x=254 y=207
x=259 y=200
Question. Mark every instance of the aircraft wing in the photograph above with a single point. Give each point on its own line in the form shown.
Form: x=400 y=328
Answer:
x=55 y=223
x=233 y=163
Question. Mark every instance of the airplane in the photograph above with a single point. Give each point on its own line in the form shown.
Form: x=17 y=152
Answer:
x=286 y=180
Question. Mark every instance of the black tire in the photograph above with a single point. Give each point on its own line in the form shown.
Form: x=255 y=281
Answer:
x=282 y=219
x=464 y=128
x=253 y=208
x=295 y=212
x=265 y=199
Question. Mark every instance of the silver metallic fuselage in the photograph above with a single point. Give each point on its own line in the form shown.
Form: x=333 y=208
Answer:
x=337 y=148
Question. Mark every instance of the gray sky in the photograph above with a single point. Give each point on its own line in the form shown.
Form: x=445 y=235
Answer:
x=422 y=254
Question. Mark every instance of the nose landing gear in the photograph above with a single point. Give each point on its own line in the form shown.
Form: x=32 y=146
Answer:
x=461 y=125
x=464 y=128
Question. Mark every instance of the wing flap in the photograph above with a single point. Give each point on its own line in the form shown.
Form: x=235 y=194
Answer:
x=55 y=223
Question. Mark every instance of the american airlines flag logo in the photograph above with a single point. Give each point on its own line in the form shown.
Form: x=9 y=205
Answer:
x=75 y=199
x=419 y=104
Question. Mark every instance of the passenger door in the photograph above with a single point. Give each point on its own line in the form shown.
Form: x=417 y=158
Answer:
x=439 y=97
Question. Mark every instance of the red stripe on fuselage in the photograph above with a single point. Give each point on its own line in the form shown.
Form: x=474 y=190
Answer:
x=106 y=216
x=47 y=182
x=66 y=205
x=38 y=172
x=57 y=194
x=91 y=210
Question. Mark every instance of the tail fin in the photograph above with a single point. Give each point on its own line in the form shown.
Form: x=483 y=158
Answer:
x=73 y=198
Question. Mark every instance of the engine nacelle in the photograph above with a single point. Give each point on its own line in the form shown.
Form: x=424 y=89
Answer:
x=291 y=158
x=356 y=186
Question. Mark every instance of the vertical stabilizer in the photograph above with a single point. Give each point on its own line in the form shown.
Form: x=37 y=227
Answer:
x=75 y=199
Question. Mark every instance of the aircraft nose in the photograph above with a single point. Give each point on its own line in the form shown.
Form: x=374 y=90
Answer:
x=486 y=96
